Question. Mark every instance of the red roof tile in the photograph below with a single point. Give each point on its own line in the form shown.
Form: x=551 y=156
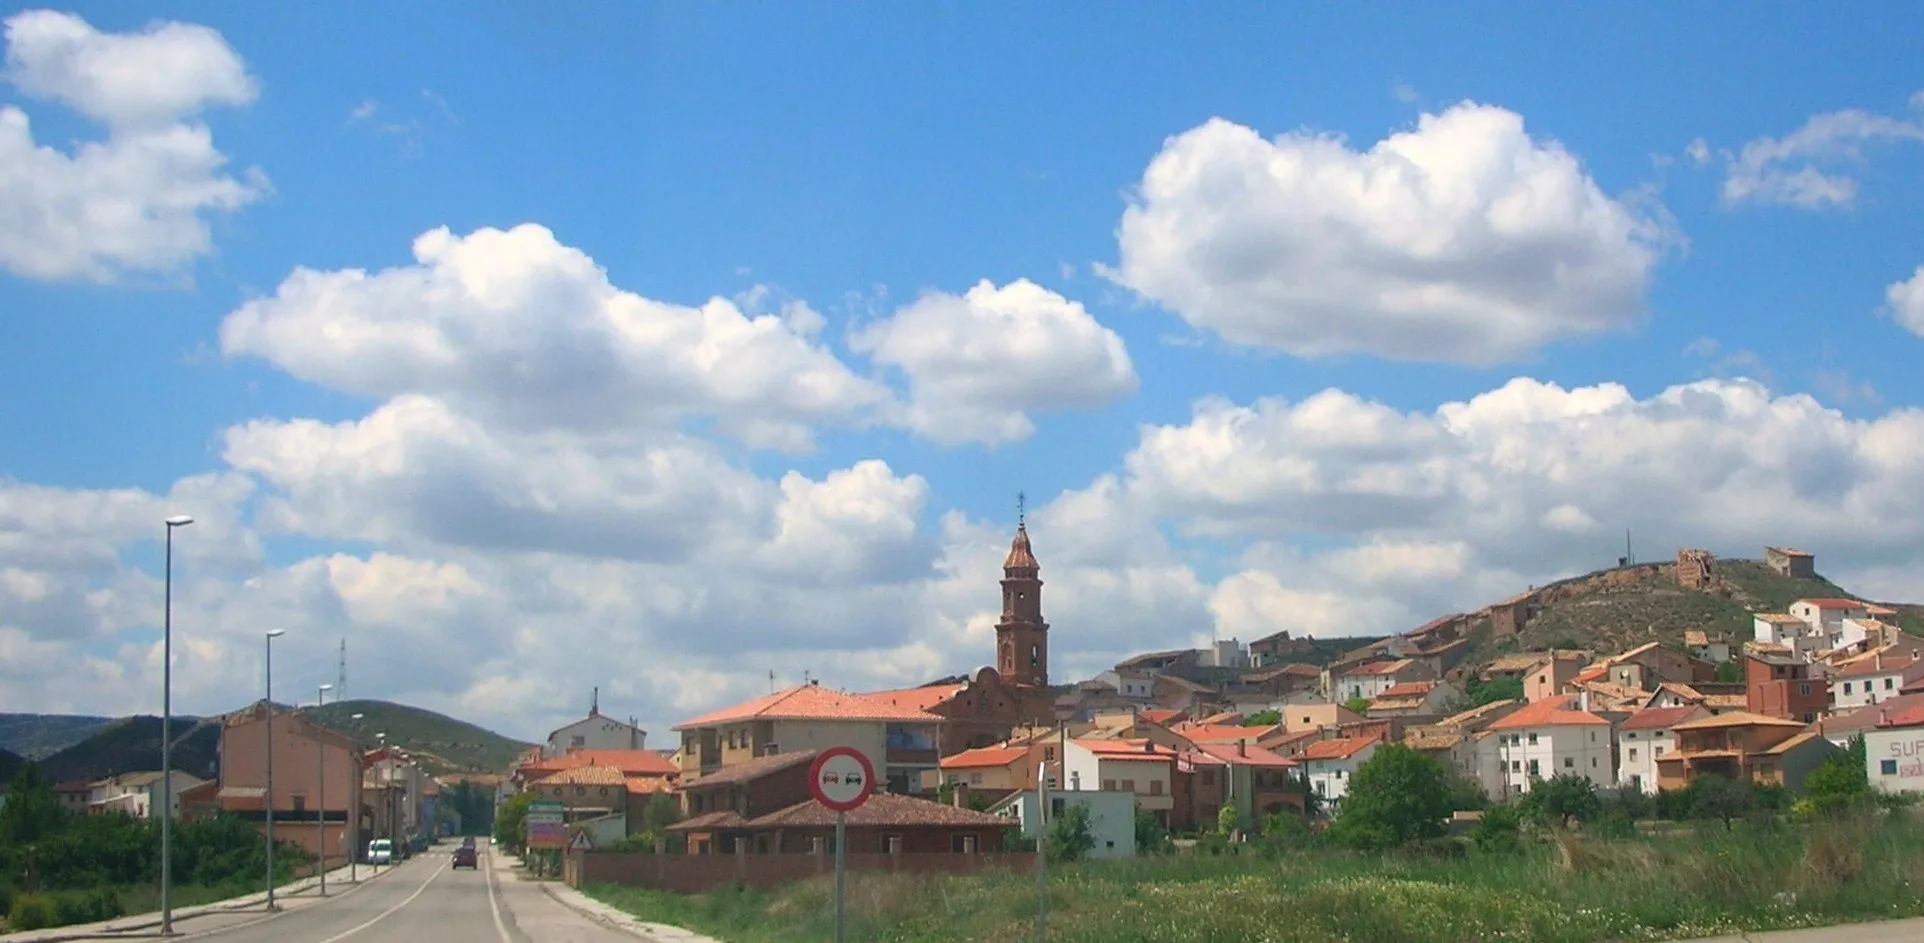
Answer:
x=1911 y=716
x=1864 y=665
x=1132 y=750
x=1549 y=712
x=1409 y=689
x=810 y=702
x=882 y=810
x=1247 y=756
x=1657 y=718
x=917 y=699
x=630 y=762
x=983 y=757
x=751 y=770
x=587 y=776
x=1159 y=716
x=1337 y=749
x=646 y=785
x=1834 y=603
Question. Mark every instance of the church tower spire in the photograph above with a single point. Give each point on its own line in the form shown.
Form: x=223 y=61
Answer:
x=1022 y=637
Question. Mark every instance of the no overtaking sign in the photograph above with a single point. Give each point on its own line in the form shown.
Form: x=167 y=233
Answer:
x=842 y=778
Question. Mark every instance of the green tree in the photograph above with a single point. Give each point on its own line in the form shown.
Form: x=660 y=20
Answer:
x=1268 y=718
x=1481 y=692
x=511 y=819
x=1501 y=829
x=1152 y=837
x=1562 y=800
x=1070 y=836
x=1398 y=796
x=32 y=811
x=1466 y=794
x=1720 y=798
x=1360 y=705
x=1842 y=783
x=1226 y=820
x=1730 y=672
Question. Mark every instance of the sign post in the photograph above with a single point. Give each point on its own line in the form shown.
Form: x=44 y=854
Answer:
x=842 y=779
x=547 y=824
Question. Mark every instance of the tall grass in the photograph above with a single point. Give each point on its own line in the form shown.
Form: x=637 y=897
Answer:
x=1568 y=890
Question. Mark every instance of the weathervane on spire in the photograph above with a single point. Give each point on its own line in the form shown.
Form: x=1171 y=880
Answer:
x=1021 y=509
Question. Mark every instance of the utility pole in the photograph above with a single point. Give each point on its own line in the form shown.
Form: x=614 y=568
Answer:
x=320 y=784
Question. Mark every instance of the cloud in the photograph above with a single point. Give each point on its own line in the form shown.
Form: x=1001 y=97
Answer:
x=977 y=363
x=517 y=330
x=1806 y=168
x=1464 y=240
x=1404 y=92
x=1906 y=301
x=138 y=201
x=364 y=110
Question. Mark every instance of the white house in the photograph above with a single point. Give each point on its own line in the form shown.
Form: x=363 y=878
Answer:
x=1551 y=738
x=1826 y=616
x=1646 y=735
x=137 y=794
x=1138 y=767
x=1130 y=684
x=1869 y=679
x=1112 y=817
x=1330 y=764
x=595 y=732
x=1894 y=751
x=1415 y=697
x=1371 y=680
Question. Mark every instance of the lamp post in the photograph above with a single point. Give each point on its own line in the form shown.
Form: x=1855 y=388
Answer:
x=166 y=735
x=320 y=784
x=354 y=813
x=272 y=634
x=386 y=799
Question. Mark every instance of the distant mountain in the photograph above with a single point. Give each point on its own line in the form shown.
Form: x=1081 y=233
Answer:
x=40 y=735
x=444 y=744
x=1618 y=609
x=132 y=744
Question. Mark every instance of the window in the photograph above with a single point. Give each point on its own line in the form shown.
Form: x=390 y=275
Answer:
x=962 y=844
x=1593 y=736
x=604 y=792
x=891 y=844
x=1155 y=787
x=1847 y=687
x=1633 y=754
x=1048 y=754
x=1632 y=735
x=1533 y=768
x=1656 y=752
x=1804 y=689
x=300 y=804
x=1569 y=762
x=1128 y=785
x=1035 y=655
x=1593 y=762
x=1108 y=785
x=1533 y=739
x=578 y=741
x=581 y=790
x=1056 y=807
x=1516 y=766
x=1887 y=767
x=1888 y=682
x=975 y=779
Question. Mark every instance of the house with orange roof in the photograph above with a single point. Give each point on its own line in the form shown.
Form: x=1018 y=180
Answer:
x=1371 y=679
x=1132 y=766
x=1298 y=718
x=1651 y=664
x=992 y=771
x=1743 y=745
x=1894 y=748
x=633 y=764
x=1551 y=738
x=1826 y=616
x=1644 y=737
x=900 y=741
x=1415 y=698
x=1553 y=676
x=1329 y=765
x=1868 y=679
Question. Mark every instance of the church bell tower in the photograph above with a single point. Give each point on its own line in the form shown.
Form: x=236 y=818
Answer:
x=1021 y=637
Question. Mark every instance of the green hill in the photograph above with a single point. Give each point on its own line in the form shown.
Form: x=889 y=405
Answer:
x=10 y=763
x=40 y=735
x=1621 y=608
x=444 y=744
x=132 y=744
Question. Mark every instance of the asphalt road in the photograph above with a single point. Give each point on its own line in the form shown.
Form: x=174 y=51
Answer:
x=425 y=899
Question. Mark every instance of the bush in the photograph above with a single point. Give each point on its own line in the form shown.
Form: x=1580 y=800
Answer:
x=31 y=912
x=1152 y=837
x=1399 y=795
x=1501 y=831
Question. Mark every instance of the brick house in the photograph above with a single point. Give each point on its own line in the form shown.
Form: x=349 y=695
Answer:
x=307 y=810
x=899 y=741
x=1783 y=686
x=1767 y=750
x=1644 y=738
x=1651 y=664
x=719 y=805
x=885 y=824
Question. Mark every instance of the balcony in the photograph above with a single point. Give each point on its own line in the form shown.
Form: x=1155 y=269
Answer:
x=910 y=756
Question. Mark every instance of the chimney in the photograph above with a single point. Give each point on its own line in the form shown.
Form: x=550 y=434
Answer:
x=1148 y=746
x=1242 y=748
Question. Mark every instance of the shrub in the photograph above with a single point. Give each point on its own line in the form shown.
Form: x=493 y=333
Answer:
x=1398 y=796
x=1152 y=837
x=31 y=912
x=1501 y=830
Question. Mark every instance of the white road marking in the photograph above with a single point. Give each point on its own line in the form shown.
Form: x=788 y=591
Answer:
x=390 y=911
x=494 y=906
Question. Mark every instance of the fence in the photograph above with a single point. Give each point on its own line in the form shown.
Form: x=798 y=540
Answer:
x=697 y=874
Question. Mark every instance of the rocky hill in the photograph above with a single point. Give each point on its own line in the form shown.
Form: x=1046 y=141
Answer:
x=35 y=736
x=132 y=744
x=1621 y=608
x=443 y=743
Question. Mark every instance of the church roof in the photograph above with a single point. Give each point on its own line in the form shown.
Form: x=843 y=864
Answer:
x=1021 y=555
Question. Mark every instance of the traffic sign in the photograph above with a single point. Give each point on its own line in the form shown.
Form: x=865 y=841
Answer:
x=581 y=842
x=842 y=778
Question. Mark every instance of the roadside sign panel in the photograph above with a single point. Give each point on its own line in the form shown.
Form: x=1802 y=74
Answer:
x=547 y=825
x=842 y=778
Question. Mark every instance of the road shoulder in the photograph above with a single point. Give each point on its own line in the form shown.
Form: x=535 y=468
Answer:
x=612 y=917
x=194 y=921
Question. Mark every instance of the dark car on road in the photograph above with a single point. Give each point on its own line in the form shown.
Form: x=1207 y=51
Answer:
x=465 y=857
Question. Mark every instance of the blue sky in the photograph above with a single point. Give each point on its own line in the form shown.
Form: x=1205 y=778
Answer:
x=857 y=156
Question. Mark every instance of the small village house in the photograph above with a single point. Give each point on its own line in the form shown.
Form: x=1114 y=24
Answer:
x=718 y=806
x=307 y=811
x=1894 y=750
x=1766 y=750
x=992 y=772
x=1329 y=765
x=1644 y=738
x=1651 y=664
x=1552 y=738
x=1826 y=616
x=595 y=732
x=1300 y=718
x=899 y=741
x=1416 y=698
x=1112 y=817
x=1869 y=679
x=887 y=824
x=138 y=794
x=1553 y=676
x=1372 y=679
x=1783 y=686
x=1138 y=767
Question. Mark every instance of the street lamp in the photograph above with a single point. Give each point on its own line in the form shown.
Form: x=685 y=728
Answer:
x=386 y=800
x=354 y=813
x=272 y=634
x=320 y=784
x=166 y=735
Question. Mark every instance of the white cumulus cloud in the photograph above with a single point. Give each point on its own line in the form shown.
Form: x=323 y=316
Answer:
x=1811 y=167
x=1464 y=240
x=1906 y=300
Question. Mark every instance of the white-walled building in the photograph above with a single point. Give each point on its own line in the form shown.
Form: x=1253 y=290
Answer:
x=1371 y=680
x=1329 y=765
x=1871 y=679
x=595 y=732
x=1894 y=751
x=137 y=794
x=1130 y=684
x=1643 y=737
x=1415 y=697
x=1138 y=767
x=1112 y=817
x=1827 y=616
x=1551 y=738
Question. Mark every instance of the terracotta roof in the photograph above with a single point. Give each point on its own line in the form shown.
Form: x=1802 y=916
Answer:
x=1021 y=555
x=1549 y=712
x=1477 y=713
x=882 y=810
x=1409 y=689
x=1794 y=742
x=1226 y=717
x=752 y=770
x=1523 y=661
x=1657 y=718
x=726 y=818
x=1337 y=749
x=1726 y=701
x=1624 y=656
x=918 y=699
x=982 y=757
x=1591 y=673
x=1159 y=716
x=1909 y=716
x=1696 y=637
x=1141 y=750
x=1222 y=733
x=1834 y=603
x=1777 y=618
x=1247 y=756
x=1877 y=610
x=1435 y=741
x=646 y=785
x=1737 y=719
x=587 y=776
x=810 y=702
x=630 y=762
x=1875 y=665
x=1379 y=668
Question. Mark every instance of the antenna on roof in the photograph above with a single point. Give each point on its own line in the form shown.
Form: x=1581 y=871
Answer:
x=771 y=681
x=1021 y=509
x=594 y=701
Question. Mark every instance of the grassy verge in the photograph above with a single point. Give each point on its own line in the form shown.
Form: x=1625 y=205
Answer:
x=1568 y=891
